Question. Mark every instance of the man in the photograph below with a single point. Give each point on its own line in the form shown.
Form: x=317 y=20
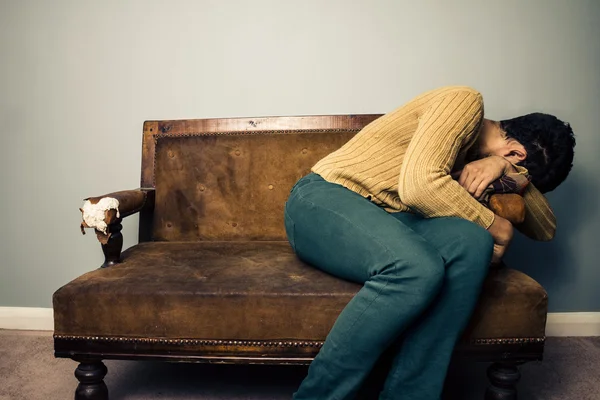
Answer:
x=383 y=210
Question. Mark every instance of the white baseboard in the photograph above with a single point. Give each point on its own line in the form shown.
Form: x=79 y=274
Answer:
x=559 y=324
x=26 y=318
x=573 y=324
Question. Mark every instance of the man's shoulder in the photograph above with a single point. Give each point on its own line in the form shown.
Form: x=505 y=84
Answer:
x=458 y=97
x=446 y=90
x=426 y=99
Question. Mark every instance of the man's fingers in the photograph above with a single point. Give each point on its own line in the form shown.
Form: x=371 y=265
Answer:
x=469 y=179
x=463 y=176
x=472 y=188
x=498 y=253
x=474 y=182
x=481 y=188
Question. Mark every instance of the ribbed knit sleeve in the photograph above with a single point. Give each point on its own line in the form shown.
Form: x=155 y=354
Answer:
x=425 y=184
x=540 y=222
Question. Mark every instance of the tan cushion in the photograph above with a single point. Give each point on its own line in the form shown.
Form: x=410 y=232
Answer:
x=250 y=291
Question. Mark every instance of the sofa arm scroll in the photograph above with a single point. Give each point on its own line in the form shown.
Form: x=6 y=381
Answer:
x=105 y=213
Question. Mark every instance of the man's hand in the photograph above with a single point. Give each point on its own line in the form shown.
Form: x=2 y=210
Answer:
x=502 y=232
x=476 y=176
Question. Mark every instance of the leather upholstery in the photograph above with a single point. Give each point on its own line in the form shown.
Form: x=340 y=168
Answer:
x=232 y=187
x=251 y=290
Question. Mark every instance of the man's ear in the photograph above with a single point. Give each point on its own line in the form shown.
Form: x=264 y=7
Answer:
x=516 y=153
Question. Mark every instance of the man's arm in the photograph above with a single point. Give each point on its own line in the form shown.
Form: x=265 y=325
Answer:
x=425 y=184
x=540 y=222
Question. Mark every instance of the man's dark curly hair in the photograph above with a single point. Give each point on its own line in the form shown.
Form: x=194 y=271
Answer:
x=549 y=143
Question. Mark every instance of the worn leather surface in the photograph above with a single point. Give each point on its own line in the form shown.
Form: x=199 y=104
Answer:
x=252 y=290
x=232 y=187
x=508 y=205
x=511 y=305
x=130 y=202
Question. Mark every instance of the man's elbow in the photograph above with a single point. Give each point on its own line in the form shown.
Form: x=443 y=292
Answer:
x=541 y=235
x=548 y=235
x=549 y=230
x=417 y=190
x=410 y=195
x=544 y=236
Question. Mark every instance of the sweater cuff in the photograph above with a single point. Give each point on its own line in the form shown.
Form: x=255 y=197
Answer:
x=486 y=219
x=520 y=169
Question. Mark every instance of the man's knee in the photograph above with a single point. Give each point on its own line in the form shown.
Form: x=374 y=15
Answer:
x=430 y=277
x=422 y=274
x=473 y=242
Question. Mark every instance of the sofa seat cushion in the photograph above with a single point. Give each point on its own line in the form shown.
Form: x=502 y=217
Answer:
x=250 y=291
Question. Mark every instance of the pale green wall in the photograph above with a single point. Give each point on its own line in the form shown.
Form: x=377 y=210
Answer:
x=78 y=78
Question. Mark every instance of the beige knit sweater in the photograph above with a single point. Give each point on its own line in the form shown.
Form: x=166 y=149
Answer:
x=402 y=161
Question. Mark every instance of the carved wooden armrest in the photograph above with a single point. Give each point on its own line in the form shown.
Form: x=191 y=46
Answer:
x=105 y=213
x=508 y=205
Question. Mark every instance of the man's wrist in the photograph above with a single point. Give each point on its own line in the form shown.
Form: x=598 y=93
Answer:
x=509 y=167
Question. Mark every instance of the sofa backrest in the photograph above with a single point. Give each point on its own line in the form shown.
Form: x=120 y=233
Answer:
x=228 y=179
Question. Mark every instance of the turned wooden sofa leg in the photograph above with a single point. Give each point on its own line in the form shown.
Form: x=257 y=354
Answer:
x=503 y=380
x=112 y=249
x=90 y=375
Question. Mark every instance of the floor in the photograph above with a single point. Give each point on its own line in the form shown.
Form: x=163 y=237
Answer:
x=28 y=371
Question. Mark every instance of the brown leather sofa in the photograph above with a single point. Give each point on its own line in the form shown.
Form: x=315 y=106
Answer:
x=213 y=278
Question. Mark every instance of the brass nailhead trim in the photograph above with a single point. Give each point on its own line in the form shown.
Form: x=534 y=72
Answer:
x=196 y=342
x=262 y=343
x=245 y=133
x=509 y=340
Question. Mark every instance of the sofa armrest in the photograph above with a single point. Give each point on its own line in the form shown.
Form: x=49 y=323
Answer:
x=105 y=213
x=101 y=211
x=508 y=205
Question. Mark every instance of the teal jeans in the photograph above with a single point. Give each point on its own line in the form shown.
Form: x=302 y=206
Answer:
x=421 y=280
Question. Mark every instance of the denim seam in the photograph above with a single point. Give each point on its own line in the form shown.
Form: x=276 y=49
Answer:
x=293 y=239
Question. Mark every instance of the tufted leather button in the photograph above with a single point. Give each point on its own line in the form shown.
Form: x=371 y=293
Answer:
x=201 y=188
x=237 y=152
x=165 y=128
x=170 y=154
x=234 y=224
x=304 y=151
x=271 y=187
